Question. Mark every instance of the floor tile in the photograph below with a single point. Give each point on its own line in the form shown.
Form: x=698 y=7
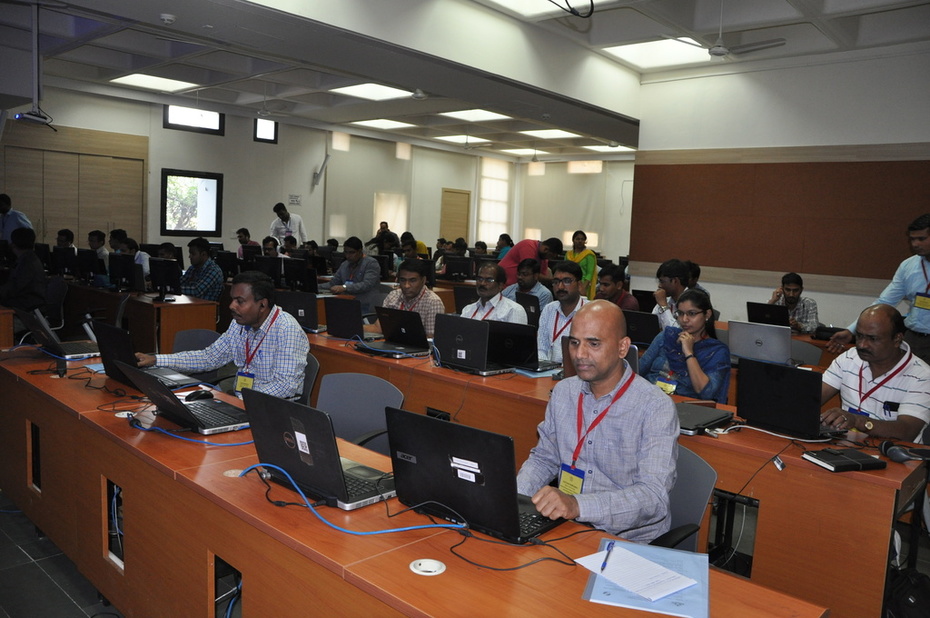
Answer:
x=11 y=556
x=40 y=548
x=63 y=572
x=26 y=592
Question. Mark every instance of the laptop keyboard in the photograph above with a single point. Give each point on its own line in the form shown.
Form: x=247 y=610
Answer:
x=210 y=415
x=80 y=347
x=358 y=487
x=532 y=523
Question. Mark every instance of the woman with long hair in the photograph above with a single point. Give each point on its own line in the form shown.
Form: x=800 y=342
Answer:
x=587 y=259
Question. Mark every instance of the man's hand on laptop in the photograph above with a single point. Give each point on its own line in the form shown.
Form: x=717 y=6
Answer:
x=839 y=340
x=145 y=360
x=552 y=503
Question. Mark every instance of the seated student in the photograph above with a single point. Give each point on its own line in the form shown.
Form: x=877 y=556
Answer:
x=117 y=236
x=359 y=275
x=556 y=317
x=481 y=248
x=289 y=246
x=420 y=246
x=492 y=305
x=413 y=295
x=504 y=244
x=695 y=269
x=884 y=387
x=802 y=311
x=166 y=251
x=130 y=246
x=408 y=249
x=204 y=278
x=528 y=283
x=267 y=344
x=65 y=239
x=610 y=287
x=245 y=239
x=270 y=247
x=96 y=240
x=626 y=459
x=25 y=287
x=457 y=248
x=689 y=360
x=674 y=277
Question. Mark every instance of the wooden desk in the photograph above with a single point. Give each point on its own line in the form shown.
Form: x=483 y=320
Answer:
x=6 y=328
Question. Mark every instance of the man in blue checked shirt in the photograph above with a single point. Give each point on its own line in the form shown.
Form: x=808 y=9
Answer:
x=204 y=279
x=267 y=345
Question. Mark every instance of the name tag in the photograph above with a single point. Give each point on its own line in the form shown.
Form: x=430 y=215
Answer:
x=571 y=481
x=244 y=379
x=922 y=301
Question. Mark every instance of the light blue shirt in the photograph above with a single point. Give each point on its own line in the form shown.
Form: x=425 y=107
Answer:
x=11 y=221
x=539 y=291
x=909 y=280
x=552 y=320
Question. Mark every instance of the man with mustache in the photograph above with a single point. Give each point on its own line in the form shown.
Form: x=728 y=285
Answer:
x=555 y=319
x=884 y=387
x=492 y=305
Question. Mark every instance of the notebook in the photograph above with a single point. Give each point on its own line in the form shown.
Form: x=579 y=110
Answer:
x=116 y=345
x=695 y=418
x=464 y=295
x=462 y=474
x=530 y=304
x=641 y=327
x=301 y=440
x=762 y=342
x=782 y=399
x=207 y=416
x=301 y=305
x=403 y=332
x=764 y=313
x=462 y=344
x=514 y=345
x=344 y=319
x=46 y=337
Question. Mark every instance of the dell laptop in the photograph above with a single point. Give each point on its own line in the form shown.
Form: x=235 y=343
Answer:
x=764 y=313
x=462 y=474
x=464 y=295
x=300 y=440
x=301 y=305
x=206 y=417
x=641 y=327
x=344 y=319
x=403 y=332
x=530 y=304
x=515 y=345
x=761 y=342
x=116 y=345
x=46 y=337
x=694 y=418
x=462 y=345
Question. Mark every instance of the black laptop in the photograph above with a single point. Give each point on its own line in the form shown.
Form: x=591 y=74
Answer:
x=300 y=440
x=514 y=345
x=464 y=295
x=764 y=313
x=462 y=345
x=206 y=416
x=403 y=332
x=530 y=304
x=462 y=474
x=116 y=345
x=781 y=399
x=695 y=418
x=641 y=327
x=301 y=305
x=344 y=319
x=46 y=337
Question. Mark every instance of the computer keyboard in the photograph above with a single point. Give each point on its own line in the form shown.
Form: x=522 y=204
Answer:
x=531 y=523
x=357 y=487
x=80 y=347
x=211 y=415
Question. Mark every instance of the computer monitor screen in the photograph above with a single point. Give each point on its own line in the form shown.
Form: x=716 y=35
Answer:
x=44 y=253
x=271 y=266
x=216 y=246
x=88 y=264
x=228 y=263
x=64 y=261
x=120 y=269
x=298 y=277
x=166 y=277
x=250 y=252
x=458 y=267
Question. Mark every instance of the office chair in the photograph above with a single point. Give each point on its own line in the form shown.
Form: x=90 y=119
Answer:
x=54 y=308
x=356 y=403
x=198 y=339
x=310 y=373
x=687 y=501
x=805 y=353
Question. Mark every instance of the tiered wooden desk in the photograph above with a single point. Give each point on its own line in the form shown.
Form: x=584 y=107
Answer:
x=6 y=327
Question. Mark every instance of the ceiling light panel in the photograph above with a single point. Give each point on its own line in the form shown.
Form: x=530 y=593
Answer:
x=150 y=82
x=372 y=92
x=550 y=134
x=462 y=139
x=655 y=54
x=475 y=115
x=383 y=123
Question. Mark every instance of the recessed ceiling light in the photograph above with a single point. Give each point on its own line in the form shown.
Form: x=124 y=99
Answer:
x=372 y=92
x=605 y=148
x=550 y=134
x=525 y=152
x=475 y=115
x=655 y=54
x=383 y=123
x=150 y=82
x=463 y=139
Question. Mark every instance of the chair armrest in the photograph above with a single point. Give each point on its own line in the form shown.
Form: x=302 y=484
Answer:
x=367 y=437
x=675 y=536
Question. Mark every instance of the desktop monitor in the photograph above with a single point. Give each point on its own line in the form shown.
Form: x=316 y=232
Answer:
x=271 y=266
x=153 y=249
x=298 y=277
x=250 y=252
x=44 y=253
x=318 y=263
x=228 y=263
x=216 y=246
x=125 y=274
x=64 y=261
x=166 y=277
x=89 y=265
x=386 y=262
x=458 y=267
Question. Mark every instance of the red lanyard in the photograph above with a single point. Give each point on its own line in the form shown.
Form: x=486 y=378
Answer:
x=478 y=306
x=923 y=266
x=557 y=333
x=862 y=397
x=249 y=354
x=403 y=302
x=597 y=421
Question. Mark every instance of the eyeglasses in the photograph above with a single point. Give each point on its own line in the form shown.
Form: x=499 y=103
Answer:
x=485 y=279
x=567 y=281
x=691 y=314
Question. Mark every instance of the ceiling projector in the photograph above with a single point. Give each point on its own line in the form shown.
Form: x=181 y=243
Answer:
x=33 y=116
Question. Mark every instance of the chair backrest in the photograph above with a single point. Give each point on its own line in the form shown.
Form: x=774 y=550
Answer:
x=691 y=493
x=805 y=353
x=194 y=339
x=310 y=373
x=356 y=403
x=55 y=292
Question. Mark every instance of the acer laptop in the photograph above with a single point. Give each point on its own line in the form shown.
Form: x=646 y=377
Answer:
x=462 y=345
x=403 y=332
x=762 y=342
x=301 y=440
x=301 y=305
x=205 y=416
x=641 y=327
x=781 y=399
x=530 y=304
x=764 y=313
x=116 y=345
x=46 y=337
x=695 y=418
x=515 y=345
x=464 y=295
x=462 y=474
x=344 y=319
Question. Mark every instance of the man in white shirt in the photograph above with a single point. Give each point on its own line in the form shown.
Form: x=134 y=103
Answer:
x=287 y=224
x=673 y=276
x=492 y=305
x=131 y=247
x=556 y=317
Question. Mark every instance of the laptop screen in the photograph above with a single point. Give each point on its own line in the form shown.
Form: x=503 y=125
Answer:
x=779 y=398
x=763 y=342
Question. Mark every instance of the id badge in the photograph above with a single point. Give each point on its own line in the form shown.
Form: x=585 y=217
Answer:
x=922 y=301
x=571 y=481
x=667 y=385
x=244 y=379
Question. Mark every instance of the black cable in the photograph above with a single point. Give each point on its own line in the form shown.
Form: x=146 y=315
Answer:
x=568 y=8
x=467 y=535
x=765 y=463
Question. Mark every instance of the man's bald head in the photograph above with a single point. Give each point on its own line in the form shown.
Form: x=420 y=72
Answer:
x=607 y=315
x=885 y=314
x=598 y=345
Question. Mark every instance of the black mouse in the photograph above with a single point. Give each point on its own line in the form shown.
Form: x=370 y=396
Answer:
x=198 y=395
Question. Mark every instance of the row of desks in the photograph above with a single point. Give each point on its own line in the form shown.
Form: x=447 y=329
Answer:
x=184 y=506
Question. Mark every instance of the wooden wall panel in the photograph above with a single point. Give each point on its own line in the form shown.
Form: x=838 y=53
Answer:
x=62 y=184
x=127 y=193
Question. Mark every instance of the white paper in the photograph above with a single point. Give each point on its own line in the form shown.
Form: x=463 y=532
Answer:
x=636 y=574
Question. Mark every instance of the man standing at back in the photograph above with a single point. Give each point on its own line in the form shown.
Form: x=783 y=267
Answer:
x=542 y=251
x=287 y=224
x=556 y=317
x=11 y=219
x=204 y=278
x=609 y=437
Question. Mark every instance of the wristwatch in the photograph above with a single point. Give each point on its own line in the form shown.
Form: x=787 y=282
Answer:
x=663 y=309
x=869 y=426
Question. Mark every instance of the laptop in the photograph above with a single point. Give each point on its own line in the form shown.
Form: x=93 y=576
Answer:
x=645 y=298
x=344 y=319
x=695 y=418
x=762 y=342
x=515 y=345
x=462 y=474
x=301 y=305
x=464 y=295
x=764 y=313
x=530 y=304
x=642 y=327
x=782 y=399
x=46 y=337
x=403 y=332
x=207 y=416
x=301 y=440
x=462 y=345
x=116 y=345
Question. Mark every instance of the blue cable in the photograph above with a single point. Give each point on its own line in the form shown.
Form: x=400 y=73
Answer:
x=339 y=528
x=232 y=601
x=174 y=435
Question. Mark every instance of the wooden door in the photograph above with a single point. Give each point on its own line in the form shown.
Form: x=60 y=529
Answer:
x=454 y=216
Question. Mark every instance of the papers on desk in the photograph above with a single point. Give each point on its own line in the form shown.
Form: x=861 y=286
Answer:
x=653 y=579
x=95 y=367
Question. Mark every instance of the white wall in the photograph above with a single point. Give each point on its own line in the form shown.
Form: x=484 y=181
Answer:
x=433 y=171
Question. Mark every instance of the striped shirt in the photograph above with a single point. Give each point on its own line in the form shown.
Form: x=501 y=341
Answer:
x=553 y=325
x=427 y=304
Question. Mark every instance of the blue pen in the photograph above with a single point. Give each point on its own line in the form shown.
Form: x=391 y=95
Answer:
x=610 y=548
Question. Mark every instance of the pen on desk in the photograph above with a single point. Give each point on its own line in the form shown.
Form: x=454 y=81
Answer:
x=610 y=548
